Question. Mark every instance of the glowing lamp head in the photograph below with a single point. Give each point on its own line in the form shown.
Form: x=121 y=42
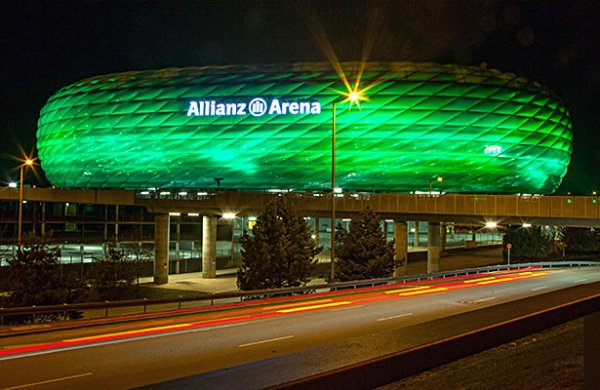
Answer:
x=353 y=96
x=526 y=225
x=229 y=215
x=440 y=179
x=491 y=225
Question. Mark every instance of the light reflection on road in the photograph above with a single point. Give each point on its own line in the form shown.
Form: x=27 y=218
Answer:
x=268 y=308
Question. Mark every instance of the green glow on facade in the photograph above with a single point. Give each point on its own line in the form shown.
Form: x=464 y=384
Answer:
x=481 y=130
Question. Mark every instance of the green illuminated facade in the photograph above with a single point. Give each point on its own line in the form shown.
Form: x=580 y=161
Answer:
x=269 y=127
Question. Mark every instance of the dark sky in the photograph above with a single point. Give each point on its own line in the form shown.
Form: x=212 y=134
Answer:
x=48 y=44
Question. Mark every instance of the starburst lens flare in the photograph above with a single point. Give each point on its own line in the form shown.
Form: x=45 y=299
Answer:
x=354 y=96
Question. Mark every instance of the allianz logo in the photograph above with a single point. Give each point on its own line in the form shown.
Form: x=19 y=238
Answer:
x=255 y=107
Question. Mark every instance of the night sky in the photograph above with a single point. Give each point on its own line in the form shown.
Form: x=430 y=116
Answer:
x=46 y=45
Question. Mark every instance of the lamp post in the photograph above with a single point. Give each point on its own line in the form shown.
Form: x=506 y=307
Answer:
x=333 y=129
x=27 y=163
x=439 y=179
x=354 y=96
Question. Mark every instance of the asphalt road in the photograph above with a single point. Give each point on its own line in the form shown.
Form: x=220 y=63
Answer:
x=158 y=350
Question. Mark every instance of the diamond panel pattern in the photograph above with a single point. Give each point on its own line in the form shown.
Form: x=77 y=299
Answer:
x=481 y=130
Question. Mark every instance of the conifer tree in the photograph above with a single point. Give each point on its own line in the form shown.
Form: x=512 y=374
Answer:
x=362 y=252
x=113 y=276
x=580 y=240
x=280 y=252
x=530 y=244
x=36 y=276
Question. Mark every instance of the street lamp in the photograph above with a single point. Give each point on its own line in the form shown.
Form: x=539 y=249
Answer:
x=27 y=163
x=354 y=96
x=333 y=129
x=439 y=179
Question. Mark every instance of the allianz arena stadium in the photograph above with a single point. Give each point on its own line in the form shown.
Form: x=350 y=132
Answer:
x=270 y=127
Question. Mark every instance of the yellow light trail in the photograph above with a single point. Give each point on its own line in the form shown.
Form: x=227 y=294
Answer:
x=296 y=304
x=479 y=280
x=167 y=327
x=303 y=308
x=431 y=290
x=523 y=275
x=496 y=281
x=406 y=289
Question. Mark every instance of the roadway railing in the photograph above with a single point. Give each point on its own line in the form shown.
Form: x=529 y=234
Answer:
x=106 y=309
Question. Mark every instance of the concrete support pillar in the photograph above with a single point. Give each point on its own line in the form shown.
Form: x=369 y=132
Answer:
x=433 y=247
x=417 y=243
x=161 y=248
x=443 y=238
x=43 y=218
x=232 y=241
x=591 y=350
x=401 y=246
x=209 y=246
x=105 y=241
x=177 y=246
x=117 y=223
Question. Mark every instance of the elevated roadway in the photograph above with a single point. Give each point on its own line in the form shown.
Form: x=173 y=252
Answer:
x=468 y=208
x=219 y=348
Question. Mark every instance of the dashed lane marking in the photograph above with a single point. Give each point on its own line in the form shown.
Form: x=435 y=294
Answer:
x=484 y=299
x=393 y=317
x=265 y=341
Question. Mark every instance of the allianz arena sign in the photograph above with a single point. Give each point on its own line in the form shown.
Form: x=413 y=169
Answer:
x=257 y=106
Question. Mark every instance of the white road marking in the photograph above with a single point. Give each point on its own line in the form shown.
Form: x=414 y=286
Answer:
x=580 y=280
x=346 y=308
x=484 y=299
x=265 y=341
x=539 y=288
x=65 y=378
x=392 y=317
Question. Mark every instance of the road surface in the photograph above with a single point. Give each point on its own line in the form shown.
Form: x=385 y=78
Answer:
x=156 y=350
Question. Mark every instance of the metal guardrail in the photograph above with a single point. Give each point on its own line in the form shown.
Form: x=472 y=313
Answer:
x=63 y=309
